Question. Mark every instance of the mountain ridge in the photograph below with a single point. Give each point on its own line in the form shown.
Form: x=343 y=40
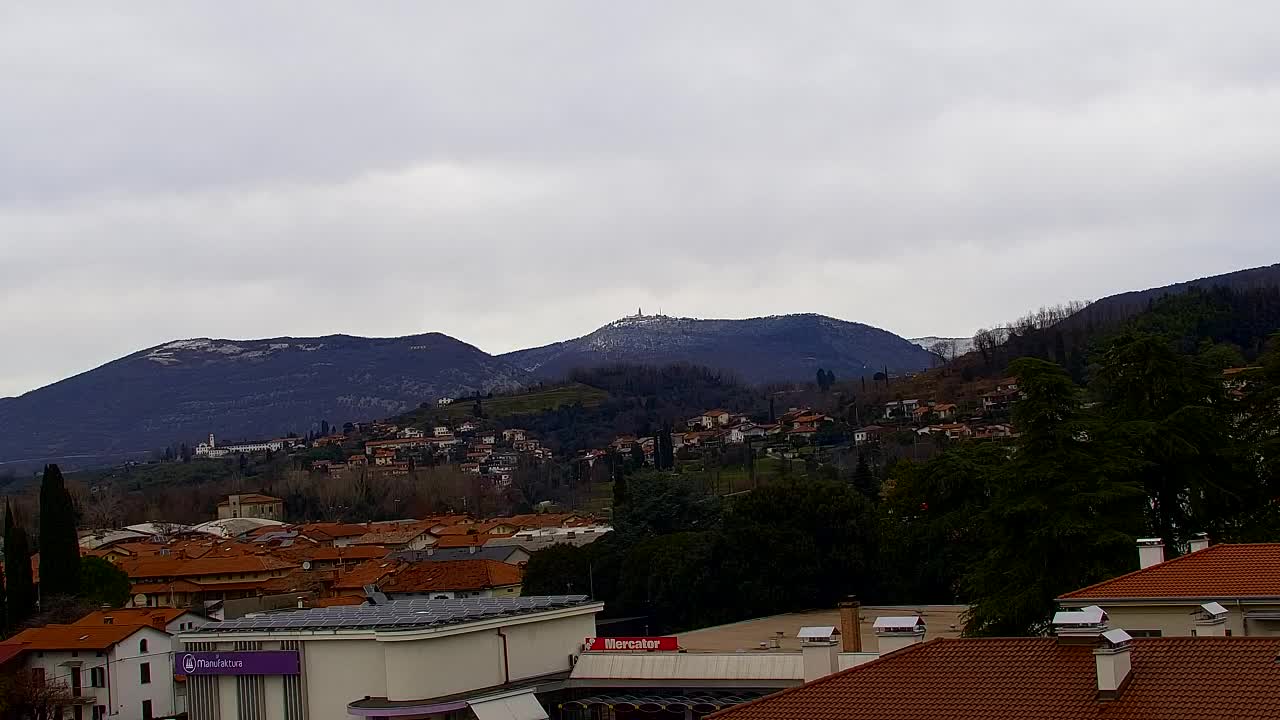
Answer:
x=180 y=390
x=844 y=347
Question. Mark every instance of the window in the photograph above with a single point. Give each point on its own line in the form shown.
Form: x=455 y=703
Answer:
x=1144 y=633
x=108 y=620
x=77 y=712
x=99 y=712
x=142 y=645
x=146 y=710
x=97 y=677
x=37 y=675
x=76 y=682
x=144 y=673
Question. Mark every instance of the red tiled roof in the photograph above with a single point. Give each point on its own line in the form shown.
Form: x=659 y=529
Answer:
x=156 y=617
x=1217 y=572
x=453 y=541
x=367 y=573
x=177 y=586
x=176 y=567
x=453 y=575
x=73 y=637
x=1215 y=678
x=334 y=554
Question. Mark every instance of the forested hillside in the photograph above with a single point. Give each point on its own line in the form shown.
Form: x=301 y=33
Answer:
x=1156 y=441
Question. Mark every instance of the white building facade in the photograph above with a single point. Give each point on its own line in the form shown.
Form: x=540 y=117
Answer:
x=429 y=659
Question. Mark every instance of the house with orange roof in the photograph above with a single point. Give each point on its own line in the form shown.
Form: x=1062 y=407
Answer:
x=469 y=540
x=370 y=572
x=454 y=579
x=320 y=557
x=170 y=620
x=1225 y=589
x=410 y=536
x=251 y=505
x=178 y=581
x=108 y=670
x=1092 y=673
x=331 y=534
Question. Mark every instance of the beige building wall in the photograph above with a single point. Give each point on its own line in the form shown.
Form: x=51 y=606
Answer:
x=337 y=672
x=443 y=666
x=1178 y=620
x=539 y=648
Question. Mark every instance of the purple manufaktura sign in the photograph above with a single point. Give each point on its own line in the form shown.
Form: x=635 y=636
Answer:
x=249 y=662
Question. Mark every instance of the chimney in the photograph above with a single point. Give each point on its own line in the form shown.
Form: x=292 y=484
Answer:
x=1080 y=627
x=820 y=650
x=896 y=633
x=1150 y=552
x=1211 y=621
x=1113 y=661
x=302 y=602
x=850 y=633
x=472 y=549
x=1198 y=542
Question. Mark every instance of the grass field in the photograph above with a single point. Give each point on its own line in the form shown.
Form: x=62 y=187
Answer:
x=515 y=404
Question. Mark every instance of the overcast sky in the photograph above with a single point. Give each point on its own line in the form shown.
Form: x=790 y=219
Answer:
x=517 y=173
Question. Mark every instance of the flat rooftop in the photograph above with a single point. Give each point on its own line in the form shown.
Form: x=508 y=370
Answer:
x=940 y=620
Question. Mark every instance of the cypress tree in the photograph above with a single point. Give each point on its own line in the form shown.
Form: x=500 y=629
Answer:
x=19 y=597
x=59 y=549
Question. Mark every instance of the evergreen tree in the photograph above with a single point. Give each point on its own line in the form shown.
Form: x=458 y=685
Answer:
x=59 y=549
x=1063 y=511
x=102 y=583
x=637 y=455
x=20 y=602
x=864 y=480
x=1172 y=412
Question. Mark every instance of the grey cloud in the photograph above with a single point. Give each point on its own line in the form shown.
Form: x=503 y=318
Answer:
x=515 y=173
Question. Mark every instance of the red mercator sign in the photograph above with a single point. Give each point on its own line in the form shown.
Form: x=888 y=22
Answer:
x=632 y=644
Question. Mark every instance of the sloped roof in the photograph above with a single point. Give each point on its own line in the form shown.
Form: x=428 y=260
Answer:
x=1038 y=679
x=1217 y=572
x=177 y=567
x=453 y=541
x=331 y=529
x=453 y=575
x=73 y=637
x=367 y=573
x=156 y=617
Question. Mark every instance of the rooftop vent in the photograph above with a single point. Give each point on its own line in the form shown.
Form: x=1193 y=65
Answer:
x=1211 y=620
x=895 y=633
x=1112 y=659
x=1082 y=626
x=910 y=623
x=820 y=649
x=822 y=633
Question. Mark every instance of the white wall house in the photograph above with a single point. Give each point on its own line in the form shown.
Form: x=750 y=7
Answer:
x=122 y=671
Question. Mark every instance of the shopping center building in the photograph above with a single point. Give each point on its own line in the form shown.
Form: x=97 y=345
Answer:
x=522 y=658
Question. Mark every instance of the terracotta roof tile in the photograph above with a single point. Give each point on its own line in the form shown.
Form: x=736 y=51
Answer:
x=1037 y=679
x=367 y=573
x=156 y=617
x=1217 y=572
x=453 y=575
x=176 y=567
x=73 y=637
x=453 y=541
